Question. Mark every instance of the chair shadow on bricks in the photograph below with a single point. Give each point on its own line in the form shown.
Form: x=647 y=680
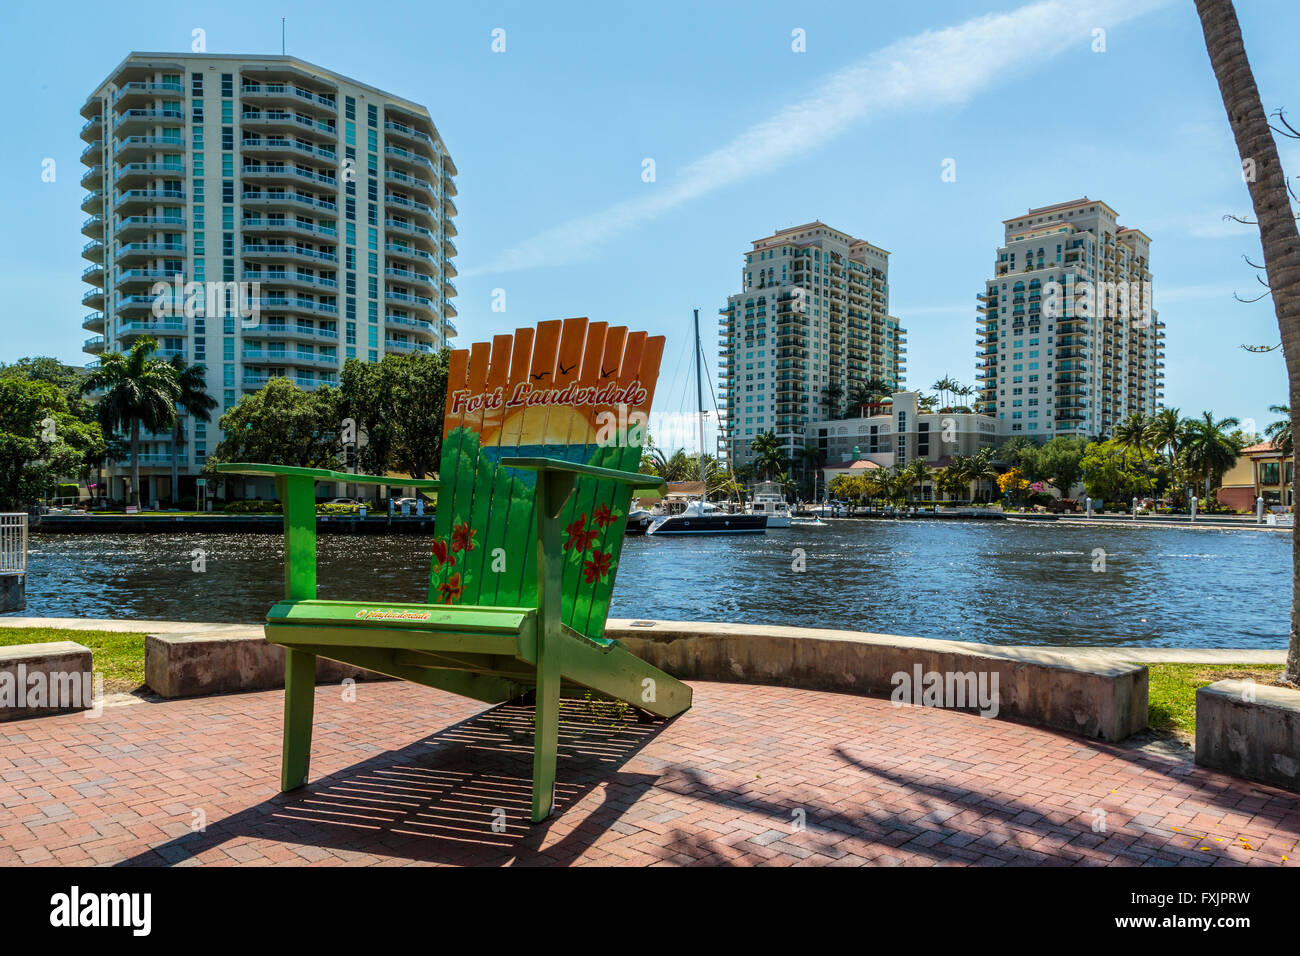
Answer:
x=461 y=795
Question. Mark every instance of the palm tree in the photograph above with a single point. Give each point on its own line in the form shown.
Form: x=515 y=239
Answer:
x=196 y=401
x=1279 y=432
x=979 y=467
x=810 y=458
x=832 y=398
x=927 y=403
x=1269 y=194
x=1165 y=431
x=1133 y=435
x=1208 y=450
x=768 y=456
x=140 y=391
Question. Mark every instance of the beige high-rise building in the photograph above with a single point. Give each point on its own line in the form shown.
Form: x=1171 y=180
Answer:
x=1068 y=343
x=311 y=213
x=810 y=329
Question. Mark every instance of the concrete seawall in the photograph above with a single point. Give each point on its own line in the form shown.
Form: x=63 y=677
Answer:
x=1084 y=694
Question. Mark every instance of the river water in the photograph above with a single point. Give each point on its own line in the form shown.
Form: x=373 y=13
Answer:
x=993 y=582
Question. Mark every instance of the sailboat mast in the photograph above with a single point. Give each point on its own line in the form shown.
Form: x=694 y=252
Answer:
x=699 y=387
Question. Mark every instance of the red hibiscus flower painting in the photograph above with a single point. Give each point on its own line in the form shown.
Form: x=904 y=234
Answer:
x=579 y=536
x=603 y=517
x=462 y=538
x=440 y=554
x=452 y=589
x=595 y=569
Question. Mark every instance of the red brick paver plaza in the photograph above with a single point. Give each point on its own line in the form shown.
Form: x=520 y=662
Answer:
x=749 y=775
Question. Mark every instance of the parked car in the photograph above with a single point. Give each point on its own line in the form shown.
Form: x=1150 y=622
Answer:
x=341 y=501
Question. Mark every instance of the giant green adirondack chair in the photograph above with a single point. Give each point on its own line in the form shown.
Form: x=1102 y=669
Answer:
x=540 y=454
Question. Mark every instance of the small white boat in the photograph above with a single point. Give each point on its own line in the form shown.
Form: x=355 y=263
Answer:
x=813 y=522
x=773 y=506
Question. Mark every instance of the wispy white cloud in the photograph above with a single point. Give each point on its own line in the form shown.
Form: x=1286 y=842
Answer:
x=935 y=68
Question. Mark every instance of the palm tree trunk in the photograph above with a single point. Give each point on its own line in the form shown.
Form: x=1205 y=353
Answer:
x=135 y=462
x=176 y=447
x=1277 y=226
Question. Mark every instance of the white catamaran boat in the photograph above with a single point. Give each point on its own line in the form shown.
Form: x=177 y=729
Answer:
x=700 y=517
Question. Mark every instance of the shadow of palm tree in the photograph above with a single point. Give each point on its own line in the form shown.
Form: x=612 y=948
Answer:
x=941 y=821
x=461 y=795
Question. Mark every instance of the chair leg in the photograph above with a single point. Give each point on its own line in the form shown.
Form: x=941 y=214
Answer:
x=299 y=701
x=546 y=733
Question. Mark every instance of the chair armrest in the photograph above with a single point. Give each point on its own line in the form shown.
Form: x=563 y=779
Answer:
x=638 y=481
x=323 y=474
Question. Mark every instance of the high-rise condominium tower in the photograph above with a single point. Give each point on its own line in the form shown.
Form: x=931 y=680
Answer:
x=809 y=333
x=1068 y=341
x=264 y=217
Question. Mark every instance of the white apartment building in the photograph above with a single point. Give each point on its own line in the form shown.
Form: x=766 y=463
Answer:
x=902 y=435
x=1068 y=343
x=313 y=211
x=810 y=327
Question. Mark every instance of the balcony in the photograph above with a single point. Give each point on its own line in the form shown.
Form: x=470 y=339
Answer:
x=130 y=92
x=294 y=122
x=93 y=202
x=404 y=203
x=94 y=274
x=397 y=154
x=406 y=275
x=149 y=326
x=135 y=250
x=283 y=173
x=127 y=277
x=294 y=252
x=398 y=345
x=133 y=224
x=93 y=345
x=409 y=323
x=290 y=357
x=91 y=154
x=274 y=198
x=94 y=251
x=147 y=197
x=411 y=182
x=130 y=172
x=93 y=128
x=93 y=178
x=282 y=146
x=276 y=277
x=291 y=331
x=411 y=229
x=146 y=144
x=410 y=134
x=295 y=304
x=398 y=249
x=93 y=322
x=138 y=119
x=298 y=226
x=93 y=299
x=288 y=93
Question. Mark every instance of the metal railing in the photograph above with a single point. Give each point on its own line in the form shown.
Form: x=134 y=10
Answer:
x=13 y=543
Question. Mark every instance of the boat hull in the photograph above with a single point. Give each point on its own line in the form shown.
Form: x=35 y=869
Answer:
x=708 y=524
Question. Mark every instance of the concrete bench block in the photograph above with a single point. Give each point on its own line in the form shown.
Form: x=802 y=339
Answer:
x=51 y=678
x=1250 y=730
x=1080 y=694
x=190 y=665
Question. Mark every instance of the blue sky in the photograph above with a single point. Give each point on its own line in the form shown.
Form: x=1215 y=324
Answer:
x=747 y=136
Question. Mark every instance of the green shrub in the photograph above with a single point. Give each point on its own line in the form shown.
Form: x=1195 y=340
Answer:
x=68 y=490
x=338 y=509
x=251 y=507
